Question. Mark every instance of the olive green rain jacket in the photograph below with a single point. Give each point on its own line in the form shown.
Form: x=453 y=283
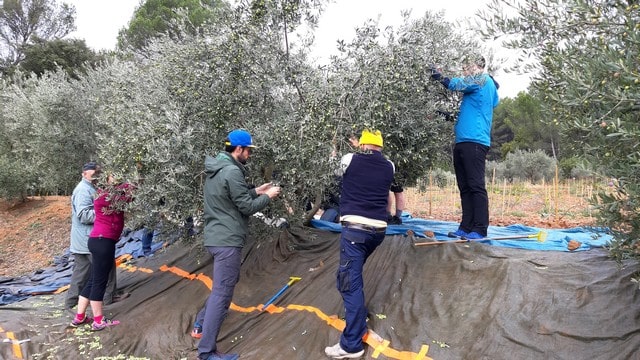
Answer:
x=228 y=202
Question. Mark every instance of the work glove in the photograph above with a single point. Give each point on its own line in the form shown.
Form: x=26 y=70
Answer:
x=393 y=220
x=435 y=74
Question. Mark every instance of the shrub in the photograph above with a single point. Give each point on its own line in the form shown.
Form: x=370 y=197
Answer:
x=529 y=166
x=495 y=170
x=440 y=178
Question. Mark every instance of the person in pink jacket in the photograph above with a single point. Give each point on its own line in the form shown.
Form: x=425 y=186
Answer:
x=106 y=232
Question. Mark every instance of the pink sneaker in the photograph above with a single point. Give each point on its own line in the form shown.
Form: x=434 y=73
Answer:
x=76 y=323
x=105 y=323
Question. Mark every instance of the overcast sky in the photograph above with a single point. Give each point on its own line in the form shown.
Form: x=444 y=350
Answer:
x=98 y=22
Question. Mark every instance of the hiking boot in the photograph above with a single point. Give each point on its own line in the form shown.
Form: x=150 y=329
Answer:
x=196 y=333
x=105 y=323
x=223 y=356
x=337 y=352
x=472 y=236
x=75 y=322
x=457 y=233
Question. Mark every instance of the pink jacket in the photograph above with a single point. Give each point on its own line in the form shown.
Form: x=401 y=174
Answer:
x=109 y=222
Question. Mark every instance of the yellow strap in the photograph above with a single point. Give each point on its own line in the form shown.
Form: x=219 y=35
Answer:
x=123 y=259
x=380 y=348
x=423 y=352
x=17 y=350
x=62 y=289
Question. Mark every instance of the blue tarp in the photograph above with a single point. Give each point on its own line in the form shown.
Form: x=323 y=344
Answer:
x=49 y=280
x=556 y=239
x=131 y=243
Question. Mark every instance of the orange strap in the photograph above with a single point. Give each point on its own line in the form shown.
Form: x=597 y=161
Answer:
x=380 y=345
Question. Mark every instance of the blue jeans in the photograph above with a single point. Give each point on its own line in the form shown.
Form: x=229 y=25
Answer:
x=355 y=247
x=331 y=214
x=469 y=164
x=226 y=273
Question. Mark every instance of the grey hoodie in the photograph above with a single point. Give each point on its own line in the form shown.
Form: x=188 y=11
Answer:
x=228 y=202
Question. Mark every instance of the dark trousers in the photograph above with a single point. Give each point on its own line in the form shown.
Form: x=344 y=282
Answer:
x=147 y=239
x=226 y=273
x=102 y=263
x=469 y=164
x=79 y=278
x=355 y=247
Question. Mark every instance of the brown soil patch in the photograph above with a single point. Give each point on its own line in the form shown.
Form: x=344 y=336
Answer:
x=533 y=205
x=34 y=232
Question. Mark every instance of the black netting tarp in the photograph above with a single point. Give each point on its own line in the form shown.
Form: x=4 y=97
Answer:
x=452 y=301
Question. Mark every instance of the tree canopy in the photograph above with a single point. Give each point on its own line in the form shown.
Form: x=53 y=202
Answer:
x=23 y=21
x=520 y=124
x=72 y=55
x=154 y=114
x=585 y=57
x=155 y=18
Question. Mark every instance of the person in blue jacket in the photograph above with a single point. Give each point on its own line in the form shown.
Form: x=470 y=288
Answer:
x=472 y=141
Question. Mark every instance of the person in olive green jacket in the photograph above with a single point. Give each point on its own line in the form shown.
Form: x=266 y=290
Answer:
x=228 y=203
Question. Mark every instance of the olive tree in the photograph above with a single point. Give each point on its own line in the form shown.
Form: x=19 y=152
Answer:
x=169 y=108
x=49 y=132
x=151 y=115
x=382 y=79
x=165 y=110
x=585 y=56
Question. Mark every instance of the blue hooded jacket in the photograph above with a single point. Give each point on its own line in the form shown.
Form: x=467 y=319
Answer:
x=479 y=98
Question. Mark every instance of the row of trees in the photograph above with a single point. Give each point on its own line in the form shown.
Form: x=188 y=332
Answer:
x=181 y=79
x=25 y=25
x=153 y=112
x=32 y=32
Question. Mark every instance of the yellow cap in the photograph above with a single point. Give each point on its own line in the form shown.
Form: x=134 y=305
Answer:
x=371 y=138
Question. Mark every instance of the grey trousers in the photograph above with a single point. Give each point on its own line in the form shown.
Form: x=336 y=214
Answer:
x=79 y=278
x=226 y=273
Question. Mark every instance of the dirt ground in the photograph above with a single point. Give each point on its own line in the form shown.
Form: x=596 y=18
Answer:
x=34 y=232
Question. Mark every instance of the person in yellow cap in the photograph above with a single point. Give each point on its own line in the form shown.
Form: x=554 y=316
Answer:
x=396 y=194
x=366 y=178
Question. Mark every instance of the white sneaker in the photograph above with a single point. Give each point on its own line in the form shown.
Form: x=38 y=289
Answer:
x=336 y=352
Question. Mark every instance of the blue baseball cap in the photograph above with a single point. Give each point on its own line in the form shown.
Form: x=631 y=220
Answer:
x=239 y=137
